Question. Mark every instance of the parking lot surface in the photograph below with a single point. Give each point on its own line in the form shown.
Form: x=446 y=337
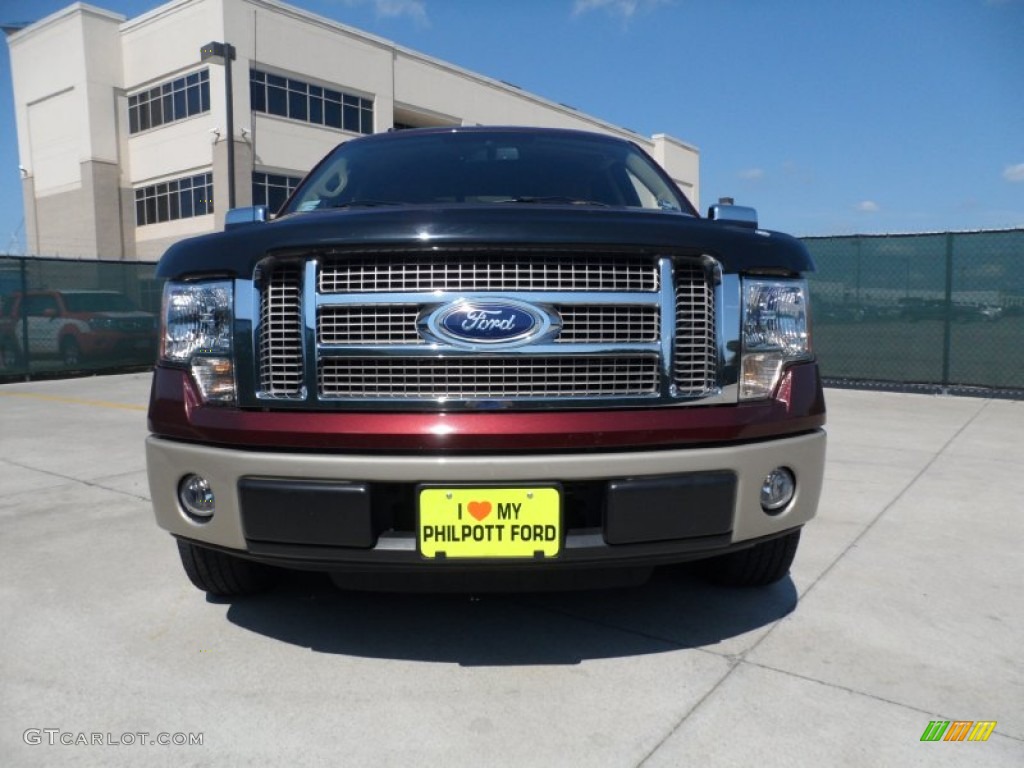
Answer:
x=905 y=606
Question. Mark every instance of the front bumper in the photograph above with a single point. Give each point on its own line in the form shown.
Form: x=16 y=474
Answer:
x=702 y=525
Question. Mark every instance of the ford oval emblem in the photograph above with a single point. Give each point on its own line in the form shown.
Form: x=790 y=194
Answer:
x=488 y=321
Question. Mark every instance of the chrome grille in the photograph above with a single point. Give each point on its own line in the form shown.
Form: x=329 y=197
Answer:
x=366 y=346
x=609 y=324
x=694 y=354
x=487 y=377
x=369 y=324
x=382 y=273
x=280 y=343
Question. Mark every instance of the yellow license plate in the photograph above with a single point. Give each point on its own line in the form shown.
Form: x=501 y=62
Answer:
x=489 y=522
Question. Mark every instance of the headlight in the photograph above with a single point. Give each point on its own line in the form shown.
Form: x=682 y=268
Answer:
x=197 y=319
x=775 y=332
x=197 y=328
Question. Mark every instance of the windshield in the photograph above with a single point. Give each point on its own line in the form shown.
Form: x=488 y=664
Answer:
x=488 y=168
x=98 y=302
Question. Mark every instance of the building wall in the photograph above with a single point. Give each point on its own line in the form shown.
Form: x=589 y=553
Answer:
x=83 y=167
x=68 y=131
x=682 y=163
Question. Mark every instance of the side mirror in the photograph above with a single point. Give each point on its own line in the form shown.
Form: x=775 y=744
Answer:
x=736 y=215
x=242 y=217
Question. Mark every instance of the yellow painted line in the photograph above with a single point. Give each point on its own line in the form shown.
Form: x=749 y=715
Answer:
x=74 y=401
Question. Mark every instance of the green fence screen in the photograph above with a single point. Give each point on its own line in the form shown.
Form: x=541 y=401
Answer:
x=942 y=310
x=937 y=309
x=61 y=316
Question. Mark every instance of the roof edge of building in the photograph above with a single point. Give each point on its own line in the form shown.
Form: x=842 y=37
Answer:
x=148 y=17
x=678 y=142
x=302 y=14
x=47 y=21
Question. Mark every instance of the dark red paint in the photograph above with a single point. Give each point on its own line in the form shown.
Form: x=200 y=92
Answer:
x=176 y=412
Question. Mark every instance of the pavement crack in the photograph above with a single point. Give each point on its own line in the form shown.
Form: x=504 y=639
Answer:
x=733 y=665
x=874 y=521
x=78 y=480
x=736 y=661
x=873 y=696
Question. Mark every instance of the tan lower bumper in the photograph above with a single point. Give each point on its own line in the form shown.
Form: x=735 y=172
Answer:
x=168 y=461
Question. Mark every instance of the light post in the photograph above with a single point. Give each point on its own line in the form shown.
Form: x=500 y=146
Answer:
x=224 y=53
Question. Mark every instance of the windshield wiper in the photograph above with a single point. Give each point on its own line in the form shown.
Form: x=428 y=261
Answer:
x=556 y=199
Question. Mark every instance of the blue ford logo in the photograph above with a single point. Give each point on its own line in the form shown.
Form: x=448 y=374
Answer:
x=487 y=321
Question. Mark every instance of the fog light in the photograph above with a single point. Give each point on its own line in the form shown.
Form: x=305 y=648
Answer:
x=196 y=497
x=777 y=490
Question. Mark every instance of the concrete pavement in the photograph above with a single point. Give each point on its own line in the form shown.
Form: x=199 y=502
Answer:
x=904 y=606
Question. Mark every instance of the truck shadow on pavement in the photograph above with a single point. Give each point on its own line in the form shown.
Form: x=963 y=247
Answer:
x=675 y=610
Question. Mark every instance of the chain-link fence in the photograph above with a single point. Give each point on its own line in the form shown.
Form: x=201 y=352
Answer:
x=59 y=316
x=941 y=310
x=945 y=310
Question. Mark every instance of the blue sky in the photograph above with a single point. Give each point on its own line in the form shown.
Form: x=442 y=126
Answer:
x=829 y=116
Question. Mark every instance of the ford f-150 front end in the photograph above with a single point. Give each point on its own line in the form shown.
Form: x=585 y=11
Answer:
x=507 y=351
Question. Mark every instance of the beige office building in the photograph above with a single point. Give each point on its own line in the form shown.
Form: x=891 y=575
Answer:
x=122 y=123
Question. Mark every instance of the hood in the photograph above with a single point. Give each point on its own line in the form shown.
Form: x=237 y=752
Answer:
x=236 y=252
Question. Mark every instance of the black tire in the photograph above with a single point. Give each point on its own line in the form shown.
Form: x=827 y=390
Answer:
x=758 y=566
x=222 y=574
x=9 y=357
x=70 y=352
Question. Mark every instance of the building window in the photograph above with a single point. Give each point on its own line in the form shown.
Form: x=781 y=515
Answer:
x=297 y=100
x=170 y=101
x=177 y=199
x=271 y=189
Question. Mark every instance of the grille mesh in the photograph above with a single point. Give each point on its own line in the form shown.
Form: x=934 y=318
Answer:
x=603 y=324
x=695 y=354
x=369 y=324
x=486 y=272
x=280 y=353
x=487 y=377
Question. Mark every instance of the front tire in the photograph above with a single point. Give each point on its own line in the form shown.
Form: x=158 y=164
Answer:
x=758 y=566
x=222 y=574
x=9 y=357
x=70 y=352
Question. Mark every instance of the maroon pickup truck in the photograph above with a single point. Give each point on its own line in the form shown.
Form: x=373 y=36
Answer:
x=74 y=326
x=485 y=355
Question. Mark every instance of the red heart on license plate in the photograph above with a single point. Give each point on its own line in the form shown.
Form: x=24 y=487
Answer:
x=479 y=509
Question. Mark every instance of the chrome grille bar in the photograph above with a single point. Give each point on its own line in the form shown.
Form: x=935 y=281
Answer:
x=488 y=272
x=488 y=378
x=381 y=325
